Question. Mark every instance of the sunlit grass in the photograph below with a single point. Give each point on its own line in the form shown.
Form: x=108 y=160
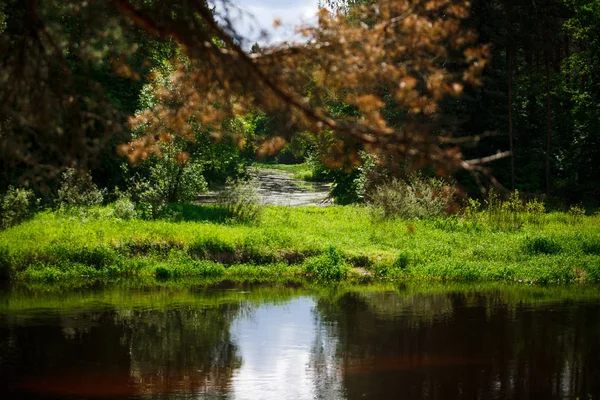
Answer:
x=302 y=172
x=286 y=241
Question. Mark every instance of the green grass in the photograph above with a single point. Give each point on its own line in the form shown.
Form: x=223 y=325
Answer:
x=322 y=244
x=301 y=172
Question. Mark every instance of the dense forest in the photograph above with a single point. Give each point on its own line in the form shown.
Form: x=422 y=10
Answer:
x=126 y=91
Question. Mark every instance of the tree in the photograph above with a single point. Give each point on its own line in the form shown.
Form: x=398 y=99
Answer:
x=417 y=52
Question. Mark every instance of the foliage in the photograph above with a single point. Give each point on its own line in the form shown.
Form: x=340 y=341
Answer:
x=242 y=201
x=298 y=86
x=319 y=172
x=542 y=245
x=2 y=18
x=346 y=186
x=187 y=267
x=77 y=190
x=76 y=72
x=401 y=261
x=124 y=209
x=327 y=267
x=509 y=214
x=576 y=213
x=16 y=205
x=181 y=166
x=170 y=179
x=416 y=198
x=222 y=159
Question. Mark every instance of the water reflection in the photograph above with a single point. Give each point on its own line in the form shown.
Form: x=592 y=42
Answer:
x=478 y=344
x=458 y=346
x=120 y=353
x=276 y=346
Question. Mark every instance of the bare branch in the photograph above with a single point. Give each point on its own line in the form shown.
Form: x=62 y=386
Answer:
x=483 y=160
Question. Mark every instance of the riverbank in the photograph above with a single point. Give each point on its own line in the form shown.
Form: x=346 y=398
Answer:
x=319 y=244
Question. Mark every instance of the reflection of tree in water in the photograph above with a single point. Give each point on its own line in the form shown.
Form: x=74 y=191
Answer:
x=183 y=349
x=123 y=352
x=455 y=345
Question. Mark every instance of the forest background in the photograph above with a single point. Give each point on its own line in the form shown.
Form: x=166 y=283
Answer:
x=75 y=73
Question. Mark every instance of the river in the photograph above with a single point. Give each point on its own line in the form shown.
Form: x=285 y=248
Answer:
x=277 y=187
x=184 y=341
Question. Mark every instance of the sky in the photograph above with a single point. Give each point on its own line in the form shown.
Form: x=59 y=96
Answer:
x=286 y=354
x=257 y=15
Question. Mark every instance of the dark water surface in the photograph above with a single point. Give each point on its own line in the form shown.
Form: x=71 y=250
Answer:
x=284 y=343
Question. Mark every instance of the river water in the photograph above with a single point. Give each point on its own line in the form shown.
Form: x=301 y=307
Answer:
x=284 y=342
x=277 y=187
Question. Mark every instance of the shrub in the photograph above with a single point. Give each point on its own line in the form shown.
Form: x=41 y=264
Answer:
x=169 y=179
x=542 y=245
x=535 y=210
x=327 y=267
x=510 y=214
x=15 y=206
x=162 y=273
x=418 y=197
x=124 y=209
x=354 y=186
x=576 y=214
x=149 y=199
x=242 y=201
x=504 y=215
x=319 y=171
x=76 y=190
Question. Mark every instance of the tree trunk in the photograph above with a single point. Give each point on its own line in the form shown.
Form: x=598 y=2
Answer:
x=509 y=60
x=548 y=120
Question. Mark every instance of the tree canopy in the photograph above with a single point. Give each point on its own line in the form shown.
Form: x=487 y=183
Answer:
x=412 y=81
x=407 y=55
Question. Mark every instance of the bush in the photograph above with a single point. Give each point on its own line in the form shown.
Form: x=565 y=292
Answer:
x=124 y=209
x=77 y=190
x=504 y=215
x=318 y=170
x=510 y=214
x=417 y=198
x=534 y=210
x=592 y=267
x=169 y=179
x=242 y=201
x=163 y=273
x=576 y=214
x=15 y=206
x=327 y=267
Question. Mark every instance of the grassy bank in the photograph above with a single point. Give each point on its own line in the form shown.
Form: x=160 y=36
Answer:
x=323 y=244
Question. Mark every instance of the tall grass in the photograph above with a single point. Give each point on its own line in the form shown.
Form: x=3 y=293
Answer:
x=510 y=214
x=298 y=241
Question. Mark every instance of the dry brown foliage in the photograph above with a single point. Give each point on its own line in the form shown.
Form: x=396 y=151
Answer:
x=400 y=55
x=406 y=55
